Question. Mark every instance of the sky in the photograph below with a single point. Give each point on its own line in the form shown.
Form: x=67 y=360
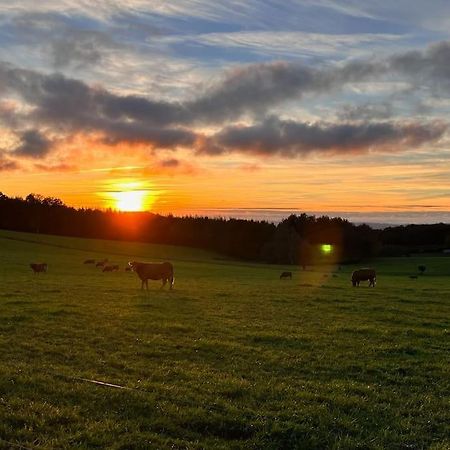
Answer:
x=241 y=108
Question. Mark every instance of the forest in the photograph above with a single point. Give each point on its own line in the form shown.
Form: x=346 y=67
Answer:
x=298 y=239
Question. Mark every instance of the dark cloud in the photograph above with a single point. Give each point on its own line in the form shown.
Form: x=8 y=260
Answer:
x=429 y=68
x=71 y=106
x=292 y=139
x=33 y=144
x=167 y=138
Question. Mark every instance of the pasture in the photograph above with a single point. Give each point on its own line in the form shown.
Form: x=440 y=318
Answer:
x=233 y=357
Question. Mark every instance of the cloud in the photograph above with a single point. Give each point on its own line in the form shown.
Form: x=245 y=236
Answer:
x=366 y=111
x=427 y=68
x=172 y=162
x=7 y=164
x=249 y=90
x=69 y=106
x=55 y=167
x=33 y=144
x=291 y=44
x=78 y=48
x=274 y=137
x=64 y=41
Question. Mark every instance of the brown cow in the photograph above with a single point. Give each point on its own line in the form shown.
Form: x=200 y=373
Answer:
x=102 y=263
x=153 y=271
x=365 y=274
x=38 y=268
x=113 y=268
x=286 y=275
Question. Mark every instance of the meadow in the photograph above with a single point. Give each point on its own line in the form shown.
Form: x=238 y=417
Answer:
x=233 y=357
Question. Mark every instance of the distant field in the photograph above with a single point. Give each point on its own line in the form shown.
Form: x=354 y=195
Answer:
x=232 y=358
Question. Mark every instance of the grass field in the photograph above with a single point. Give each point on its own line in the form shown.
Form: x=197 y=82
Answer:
x=232 y=358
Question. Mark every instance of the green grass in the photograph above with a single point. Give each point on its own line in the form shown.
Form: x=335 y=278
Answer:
x=232 y=358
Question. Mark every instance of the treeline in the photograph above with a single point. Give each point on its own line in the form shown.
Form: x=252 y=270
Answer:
x=299 y=239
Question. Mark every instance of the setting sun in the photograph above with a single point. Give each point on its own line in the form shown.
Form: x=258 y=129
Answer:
x=130 y=200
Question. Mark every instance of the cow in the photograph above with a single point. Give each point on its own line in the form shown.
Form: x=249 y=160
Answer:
x=38 y=268
x=102 y=263
x=365 y=274
x=153 y=271
x=113 y=268
x=89 y=261
x=286 y=275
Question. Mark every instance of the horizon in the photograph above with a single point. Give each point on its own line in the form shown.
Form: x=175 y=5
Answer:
x=376 y=220
x=330 y=108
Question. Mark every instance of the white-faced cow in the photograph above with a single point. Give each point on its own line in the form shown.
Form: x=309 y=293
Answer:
x=153 y=271
x=38 y=268
x=365 y=274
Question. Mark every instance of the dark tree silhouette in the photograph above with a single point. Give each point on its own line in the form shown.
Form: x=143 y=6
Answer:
x=295 y=240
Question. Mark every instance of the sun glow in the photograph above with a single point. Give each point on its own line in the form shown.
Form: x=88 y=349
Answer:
x=130 y=200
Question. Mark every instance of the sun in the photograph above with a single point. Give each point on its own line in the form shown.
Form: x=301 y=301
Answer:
x=130 y=200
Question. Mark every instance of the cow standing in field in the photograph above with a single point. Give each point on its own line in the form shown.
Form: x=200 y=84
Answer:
x=286 y=275
x=153 y=271
x=364 y=275
x=38 y=268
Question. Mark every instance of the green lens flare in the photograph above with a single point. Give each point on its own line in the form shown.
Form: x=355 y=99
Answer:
x=326 y=248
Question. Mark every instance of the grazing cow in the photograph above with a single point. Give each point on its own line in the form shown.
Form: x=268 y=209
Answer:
x=112 y=268
x=89 y=261
x=364 y=275
x=286 y=275
x=38 y=268
x=153 y=271
x=102 y=263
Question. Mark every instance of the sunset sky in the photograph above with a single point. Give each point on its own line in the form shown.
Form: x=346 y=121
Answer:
x=242 y=108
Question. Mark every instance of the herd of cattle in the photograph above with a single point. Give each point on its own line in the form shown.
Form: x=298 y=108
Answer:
x=145 y=271
x=164 y=272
